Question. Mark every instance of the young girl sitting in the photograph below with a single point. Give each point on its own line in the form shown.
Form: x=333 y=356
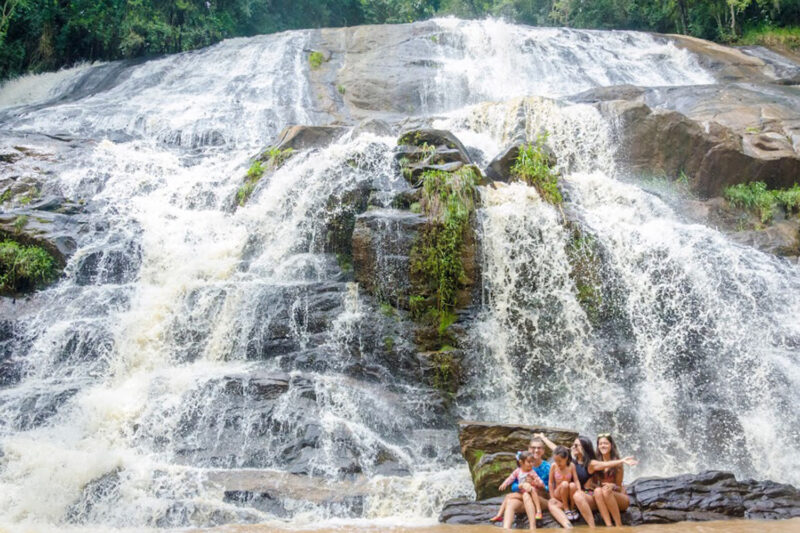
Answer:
x=562 y=474
x=524 y=477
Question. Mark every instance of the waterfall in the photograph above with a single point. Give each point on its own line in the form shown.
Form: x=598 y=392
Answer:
x=195 y=355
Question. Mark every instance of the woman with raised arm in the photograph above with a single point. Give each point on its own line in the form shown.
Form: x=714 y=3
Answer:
x=609 y=492
x=582 y=453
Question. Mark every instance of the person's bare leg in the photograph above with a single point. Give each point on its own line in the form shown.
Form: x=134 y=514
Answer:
x=618 y=503
x=502 y=510
x=530 y=510
x=582 y=502
x=557 y=512
x=600 y=500
x=565 y=496
x=511 y=512
x=613 y=507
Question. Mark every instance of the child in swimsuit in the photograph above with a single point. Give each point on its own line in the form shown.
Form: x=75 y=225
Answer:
x=523 y=476
x=562 y=474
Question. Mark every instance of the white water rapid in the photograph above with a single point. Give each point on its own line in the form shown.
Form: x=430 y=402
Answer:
x=200 y=365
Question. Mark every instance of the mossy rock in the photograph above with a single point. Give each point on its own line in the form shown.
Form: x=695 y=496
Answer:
x=442 y=370
x=585 y=258
x=487 y=448
x=489 y=472
x=26 y=266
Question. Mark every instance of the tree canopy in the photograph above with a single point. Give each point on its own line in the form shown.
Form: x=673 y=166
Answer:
x=47 y=34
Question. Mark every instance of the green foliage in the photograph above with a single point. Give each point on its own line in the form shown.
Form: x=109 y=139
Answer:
x=6 y=196
x=416 y=304
x=345 y=262
x=584 y=257
x=388 y=343
x=533 y=167
x=773 y=37
x=446 y=370
x=387 y=310
x=341 y=89
x=254 y=174
x=789 y=199
x=20 y=222
x=315 y=59
x=25 y=268
x=275 y=158
x=753 y=196
x=45 y=34
x=448 y=201
x=29 y=196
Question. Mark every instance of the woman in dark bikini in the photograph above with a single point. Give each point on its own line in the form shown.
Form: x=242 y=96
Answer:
x=587 y=465
x=609 y=493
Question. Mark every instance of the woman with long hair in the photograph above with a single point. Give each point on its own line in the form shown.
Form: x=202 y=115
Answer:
x=609 y=493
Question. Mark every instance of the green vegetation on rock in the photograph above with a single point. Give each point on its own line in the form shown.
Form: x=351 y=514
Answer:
x=780 y=38
x=20 y=222
x=274 y=158
x=448 y=201
x=754 y=196
x=446 y=370
x=25 y=268
x=315 y=59
x=533 y=167
x=584 y=257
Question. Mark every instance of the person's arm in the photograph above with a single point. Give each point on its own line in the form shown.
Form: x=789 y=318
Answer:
x=596 y=465
x=551 y=481
x=618 y=478
x=575 y=476
x=550 y=444
x=509 y=480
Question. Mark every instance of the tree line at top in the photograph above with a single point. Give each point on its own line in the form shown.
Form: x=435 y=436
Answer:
x=40 y=35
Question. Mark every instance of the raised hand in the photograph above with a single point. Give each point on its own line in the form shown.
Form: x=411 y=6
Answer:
x=630 y=461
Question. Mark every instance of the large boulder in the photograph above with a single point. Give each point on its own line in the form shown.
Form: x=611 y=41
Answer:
x=499 y=168
x=301 y=137
x=490 y=449
x=716 y=136
x=710 y=495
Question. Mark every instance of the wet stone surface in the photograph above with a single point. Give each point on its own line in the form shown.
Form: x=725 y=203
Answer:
x=711 y=495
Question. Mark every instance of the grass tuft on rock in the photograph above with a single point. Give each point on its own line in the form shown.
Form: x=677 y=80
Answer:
x=315 y=59
x=272 y=159
x=25 y=268
x=533 y=167
x=754 y=196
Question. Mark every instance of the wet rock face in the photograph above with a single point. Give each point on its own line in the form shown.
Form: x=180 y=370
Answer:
x=710 y=495
x=490 y=449
x=382 y=243
x=303 y=137
x=717 y=136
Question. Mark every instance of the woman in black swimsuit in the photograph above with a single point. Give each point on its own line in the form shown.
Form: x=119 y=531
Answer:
x=592 y=472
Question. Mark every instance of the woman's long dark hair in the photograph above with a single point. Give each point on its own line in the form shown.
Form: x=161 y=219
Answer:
x=588 y=451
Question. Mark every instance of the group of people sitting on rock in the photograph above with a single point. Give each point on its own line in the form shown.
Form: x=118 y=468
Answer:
x=577 y=481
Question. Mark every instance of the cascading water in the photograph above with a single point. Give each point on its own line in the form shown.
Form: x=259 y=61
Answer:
x=195 y=353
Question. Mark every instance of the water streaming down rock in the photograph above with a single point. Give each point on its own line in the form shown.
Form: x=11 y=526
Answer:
x=194 y=354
